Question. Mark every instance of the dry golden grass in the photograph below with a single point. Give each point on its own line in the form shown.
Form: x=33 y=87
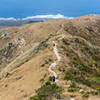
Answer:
x=23 y=81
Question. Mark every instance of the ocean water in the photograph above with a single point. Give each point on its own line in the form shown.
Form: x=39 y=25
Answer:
x=62 y=8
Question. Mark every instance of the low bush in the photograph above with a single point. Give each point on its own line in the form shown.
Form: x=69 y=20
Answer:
x=7 y=75
x=46 y=62
x=50 y=78
x=72 y=90
x=68 y=76
x=94 y=92
x=73 y=85
x=66 y=42
x=47 y=91
x=86 y=95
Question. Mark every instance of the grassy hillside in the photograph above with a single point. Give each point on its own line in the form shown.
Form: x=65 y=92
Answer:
x=28 y=52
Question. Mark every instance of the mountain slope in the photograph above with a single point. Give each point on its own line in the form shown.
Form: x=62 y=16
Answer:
x=30 y=48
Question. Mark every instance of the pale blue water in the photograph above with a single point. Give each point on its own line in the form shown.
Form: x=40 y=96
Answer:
x=70 y=8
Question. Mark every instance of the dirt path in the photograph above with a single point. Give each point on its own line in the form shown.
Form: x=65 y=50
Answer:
x=54 y=64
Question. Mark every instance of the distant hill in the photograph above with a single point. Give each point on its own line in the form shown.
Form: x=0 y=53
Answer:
x=12 y=23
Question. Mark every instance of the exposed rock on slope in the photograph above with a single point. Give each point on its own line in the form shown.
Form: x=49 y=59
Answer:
x=20 y=40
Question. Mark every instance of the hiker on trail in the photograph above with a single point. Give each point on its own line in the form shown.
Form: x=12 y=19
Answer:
x=53 y=78
x=54 y=44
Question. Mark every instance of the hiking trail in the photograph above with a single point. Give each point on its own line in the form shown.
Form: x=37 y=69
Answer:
x=55 y=63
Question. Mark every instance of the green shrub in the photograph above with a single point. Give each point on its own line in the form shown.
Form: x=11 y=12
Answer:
x=86 y=95
x=47 y=91
x=72 y=90
x=94 y=92
x=82 y=92
x=50 y=78
x=47 y=61
x=73 y=85
x=68 y=76
x=42 y=80
x=34 y=98
x=25 y=95
x=65 y=41
x=42 y=65
x=7 y=75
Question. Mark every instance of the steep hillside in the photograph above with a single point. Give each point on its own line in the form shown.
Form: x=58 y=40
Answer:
x=18 y=43
x=68 y=49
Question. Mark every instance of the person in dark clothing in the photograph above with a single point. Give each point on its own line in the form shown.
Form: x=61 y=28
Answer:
x=53 y=78
x=53 y=45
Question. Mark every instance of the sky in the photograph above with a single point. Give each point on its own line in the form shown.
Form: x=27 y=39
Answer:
x=70 y=8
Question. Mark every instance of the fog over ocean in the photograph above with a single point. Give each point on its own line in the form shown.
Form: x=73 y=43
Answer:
x=23 y=9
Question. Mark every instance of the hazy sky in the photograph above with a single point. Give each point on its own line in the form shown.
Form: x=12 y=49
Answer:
x=71 y=8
